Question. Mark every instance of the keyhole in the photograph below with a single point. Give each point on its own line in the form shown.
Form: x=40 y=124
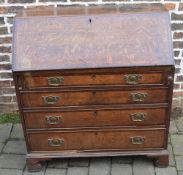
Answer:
x=90 y=20
x=95 y=113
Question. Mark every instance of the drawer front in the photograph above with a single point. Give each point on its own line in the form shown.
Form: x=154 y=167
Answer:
x=104 y=97
x=58 y=80
x=94 y=140
x=97 y=118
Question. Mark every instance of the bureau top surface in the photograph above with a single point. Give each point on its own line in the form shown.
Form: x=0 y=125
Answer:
x=91 y=37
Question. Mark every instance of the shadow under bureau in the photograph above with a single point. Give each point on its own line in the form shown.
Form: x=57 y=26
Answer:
x=94 y=81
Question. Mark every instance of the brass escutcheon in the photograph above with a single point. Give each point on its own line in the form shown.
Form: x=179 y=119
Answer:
x=132 y=78
x=138 y=117
x=138 y=96
x=55 y=142
x=137 y=140
x=53 y=120
x=50 y=99
x=55 y=81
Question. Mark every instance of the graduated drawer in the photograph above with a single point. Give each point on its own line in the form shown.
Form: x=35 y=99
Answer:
x=93 y=97
x=32 y=81
x=95 y=118
x=97 y=140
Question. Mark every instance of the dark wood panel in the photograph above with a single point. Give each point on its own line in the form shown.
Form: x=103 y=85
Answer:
x=96 y=118
x=91 y=140
x=93 y=97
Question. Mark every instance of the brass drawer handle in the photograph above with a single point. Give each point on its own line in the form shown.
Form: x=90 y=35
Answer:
x=55 y=142
x=53 y=120
x=55 y=81
x=138 y=117
x=139 y=96
x=50 y=99
x=132 y=78
x=138 y=140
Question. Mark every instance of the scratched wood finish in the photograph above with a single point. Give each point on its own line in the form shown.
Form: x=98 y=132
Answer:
x=95 y=118
x=91 y=140
x=92 y=41
x=90 y=50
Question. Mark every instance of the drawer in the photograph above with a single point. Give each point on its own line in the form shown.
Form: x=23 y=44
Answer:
x=32 y=81
x=95 y=118
x=97 y=140
x=93 y=97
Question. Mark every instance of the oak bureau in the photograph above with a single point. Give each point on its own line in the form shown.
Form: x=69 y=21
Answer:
x=94 y=81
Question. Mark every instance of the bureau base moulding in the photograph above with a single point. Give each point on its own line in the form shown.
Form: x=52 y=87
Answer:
x=34 y=161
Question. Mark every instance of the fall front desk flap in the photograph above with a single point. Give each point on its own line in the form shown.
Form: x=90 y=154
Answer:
x=91 y=37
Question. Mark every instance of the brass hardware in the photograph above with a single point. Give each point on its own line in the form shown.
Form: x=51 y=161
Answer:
x=53 y=120
x=139 y=96
x=55 y=142
x=50 y=99
x=138 y=140
x=138 y=117
x=55 y=81
x=170 y=79
x=132 y=78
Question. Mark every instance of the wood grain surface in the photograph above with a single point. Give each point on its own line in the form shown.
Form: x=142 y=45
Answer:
x=93 y=97
x=95 y=118
x=92 y=41
x=41 y=81
x=87 y=140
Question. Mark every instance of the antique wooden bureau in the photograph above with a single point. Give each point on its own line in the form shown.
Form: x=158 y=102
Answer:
x=94 y=81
